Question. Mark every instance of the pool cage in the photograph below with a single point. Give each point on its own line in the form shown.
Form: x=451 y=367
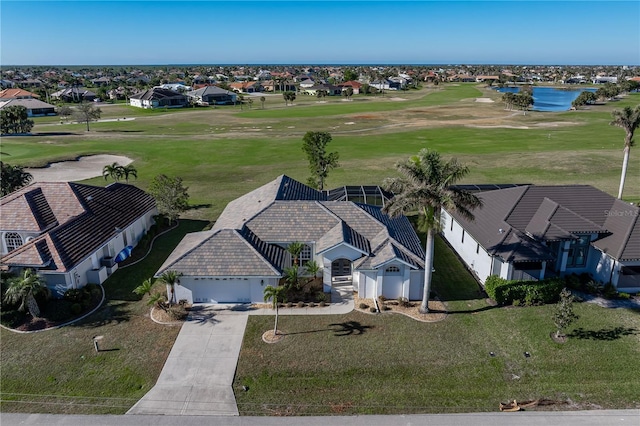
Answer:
x=372 y=195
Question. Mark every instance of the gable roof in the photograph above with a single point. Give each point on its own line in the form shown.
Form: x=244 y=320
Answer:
x=157 y=93
x=16 y=93
x=514 y=222
x=286 y=210
x=210 y=90
x=28 y=103
x=72 y=220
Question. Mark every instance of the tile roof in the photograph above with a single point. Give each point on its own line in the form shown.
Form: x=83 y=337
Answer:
x=515 y=221
x=157 y=93
x=28 y=103
x=16 y=93
x=285 y=210
x=81 y=218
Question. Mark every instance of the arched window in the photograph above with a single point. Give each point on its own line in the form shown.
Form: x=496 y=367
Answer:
x=13 y=240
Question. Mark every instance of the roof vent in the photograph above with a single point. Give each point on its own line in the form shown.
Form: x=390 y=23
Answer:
x=500 y=231
x=89 y=198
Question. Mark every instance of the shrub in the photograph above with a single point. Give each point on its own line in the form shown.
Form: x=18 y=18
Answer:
x=323 y=303
x=288 y=304
x=372 y=309
x=624 y=296
x=593 y=287
x=517 y=302
x=403 y=301
x=385 y=308
x=363 y=305
x=491 y=284
x=382 y=299
x=609 y=291
x=321 y=297
x=76 y=308
x=11 y=318
x=573 y=282
x=73 y=295
x=300 y=304
x=312 y=305
x=529 y=292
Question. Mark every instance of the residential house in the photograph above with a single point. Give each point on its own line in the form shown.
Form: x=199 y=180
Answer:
x=35 y=107
x=158 y=97
x=329 y=89
x=71 y=233
x=246 y=86
x=213 y=95
x=354 y=85
x=7 y=94
x=530 y=232
x=74 y=94
x=176 y=87
x=101 y=81
x=246 y=248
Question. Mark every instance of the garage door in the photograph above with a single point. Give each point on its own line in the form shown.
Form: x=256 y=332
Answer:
x=222 y=291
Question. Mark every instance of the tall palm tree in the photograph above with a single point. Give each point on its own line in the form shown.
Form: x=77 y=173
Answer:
x=128 y=170
x=24 y=291
x=171 y=278
x=276 y=294
x=425 y=186
x=628 y=119
x=113 y=171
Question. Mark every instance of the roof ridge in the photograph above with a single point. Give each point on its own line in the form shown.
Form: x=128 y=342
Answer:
x=627 y=236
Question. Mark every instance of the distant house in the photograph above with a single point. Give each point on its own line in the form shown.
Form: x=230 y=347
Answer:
x=31 y=83
x=530 y=232
x=7 y=94
x=213 y=95
x=158 y=98
x=355 y=244
x=485 y=78
x=35 y=107
x=307 y=84
x=71 y=233
x=602 y=79
x=74 y=94
x=354 y=85
x=329 y=89
x=246 y=86
x=101 y=81
x=177 y=87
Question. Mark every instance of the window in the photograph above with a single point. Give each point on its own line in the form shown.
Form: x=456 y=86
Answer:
x=451 y=224
x=392 y=270
x=477 y=248
x=462 y=240
x=13 y=240
x=305 y=255
x=578 y=250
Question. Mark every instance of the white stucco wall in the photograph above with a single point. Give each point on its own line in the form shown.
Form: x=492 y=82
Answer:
x=475 y=256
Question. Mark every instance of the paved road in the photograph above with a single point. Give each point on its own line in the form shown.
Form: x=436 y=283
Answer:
x=530 y=418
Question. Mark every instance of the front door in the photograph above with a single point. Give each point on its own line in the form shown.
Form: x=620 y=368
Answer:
x=341 y=270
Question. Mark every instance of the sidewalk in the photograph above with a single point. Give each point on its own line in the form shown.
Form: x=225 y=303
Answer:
x=607 y=303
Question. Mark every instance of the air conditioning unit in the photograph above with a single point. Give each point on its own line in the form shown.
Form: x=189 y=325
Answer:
x=108 y=261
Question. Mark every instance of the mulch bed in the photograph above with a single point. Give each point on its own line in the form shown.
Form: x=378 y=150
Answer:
x=437 y=309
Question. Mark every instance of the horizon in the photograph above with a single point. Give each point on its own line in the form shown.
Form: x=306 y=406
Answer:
x=332 y=33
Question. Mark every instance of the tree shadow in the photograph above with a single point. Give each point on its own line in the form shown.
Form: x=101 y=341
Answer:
x=470 y=311
x=111 y=312
x=349 y=328
x=199 y=206
x=607 y=334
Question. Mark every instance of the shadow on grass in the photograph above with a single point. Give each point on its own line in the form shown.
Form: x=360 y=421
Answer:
x=607 y=334
x=469 y=311
x=199 y=206
x=349 y=328
x=111 y=312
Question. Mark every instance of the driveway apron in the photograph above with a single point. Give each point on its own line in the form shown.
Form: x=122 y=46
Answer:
x=197 y=377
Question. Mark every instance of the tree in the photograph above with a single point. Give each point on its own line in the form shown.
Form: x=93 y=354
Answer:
x=128 y=170
x=276 y=295
x=170 y=279
x=144 y=288
x=86 y=112
x=113 y=171
x=289 y=97
x=295 y=248
x=64 y=111
x=426 y=186
x=350 y=74
x=314 y=144
x=292 y=276
x=262 y=101
x=586 y=97
x=13 y=178
x=24 y=291
x=563 y=315
x=15 y=120
x=250 y=102
x=349 y=92
x=171 y=196
x=628 y=119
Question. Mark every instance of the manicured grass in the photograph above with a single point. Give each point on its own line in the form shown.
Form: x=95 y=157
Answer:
x=58 y=371
x=385 y=364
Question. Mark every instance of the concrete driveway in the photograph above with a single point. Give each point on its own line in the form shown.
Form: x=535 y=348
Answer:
x=197 y=377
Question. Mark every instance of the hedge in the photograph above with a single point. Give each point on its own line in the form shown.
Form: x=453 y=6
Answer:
x=505 y=292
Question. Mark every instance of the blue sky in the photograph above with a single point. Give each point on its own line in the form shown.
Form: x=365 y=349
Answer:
x=310 y=32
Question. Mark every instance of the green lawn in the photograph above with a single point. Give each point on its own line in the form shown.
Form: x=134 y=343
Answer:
x=385 y=364
x=58 y=371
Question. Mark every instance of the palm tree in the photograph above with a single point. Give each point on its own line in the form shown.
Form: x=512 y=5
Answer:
x=629 y=120
x=425 y=186
x=276 y=294
x=295 y=248
x=24 y=291
x=128 y=170
x=262 y=100
x=13 y=178
x=144 y=288
x=113 y=171
x=292 y=277
x=171 y=278
x=159 y=299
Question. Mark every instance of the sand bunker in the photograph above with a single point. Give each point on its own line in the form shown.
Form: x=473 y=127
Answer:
x=83 y=168
x=484 y=100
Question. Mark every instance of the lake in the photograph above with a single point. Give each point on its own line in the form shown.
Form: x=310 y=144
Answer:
x=550 y=98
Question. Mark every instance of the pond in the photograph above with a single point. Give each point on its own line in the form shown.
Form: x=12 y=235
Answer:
x=551 y=98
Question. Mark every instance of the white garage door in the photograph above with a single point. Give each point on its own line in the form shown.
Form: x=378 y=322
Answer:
x=222 y=291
